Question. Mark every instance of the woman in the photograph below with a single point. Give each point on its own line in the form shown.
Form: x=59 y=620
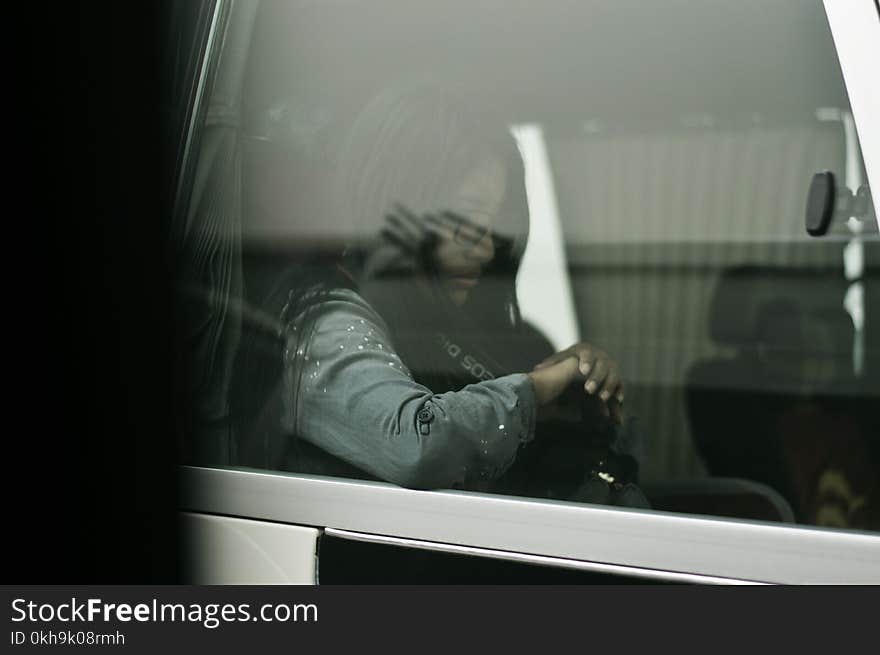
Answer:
x=405 y=358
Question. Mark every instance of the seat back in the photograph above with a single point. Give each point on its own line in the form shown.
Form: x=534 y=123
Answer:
x=785 y=340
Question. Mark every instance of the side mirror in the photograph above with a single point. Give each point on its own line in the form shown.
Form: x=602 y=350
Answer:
x=826 y=202
x=820 y=204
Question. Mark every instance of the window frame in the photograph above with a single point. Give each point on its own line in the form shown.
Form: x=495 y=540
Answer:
x=855 y=30
x=651 y=544
x=213 y=21
x=645 y=540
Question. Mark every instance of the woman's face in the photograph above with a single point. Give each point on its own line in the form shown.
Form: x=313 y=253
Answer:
x=465 y=248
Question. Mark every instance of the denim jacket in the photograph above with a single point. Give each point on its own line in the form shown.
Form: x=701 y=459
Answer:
x=351 y=396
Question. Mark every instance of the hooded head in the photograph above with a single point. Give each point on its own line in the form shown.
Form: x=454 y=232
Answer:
x=434 y=193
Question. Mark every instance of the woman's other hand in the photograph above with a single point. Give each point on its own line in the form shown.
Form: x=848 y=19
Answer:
x=600 y=372
x=411 y=239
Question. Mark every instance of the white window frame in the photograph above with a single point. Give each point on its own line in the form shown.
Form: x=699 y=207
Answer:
x=855 y=27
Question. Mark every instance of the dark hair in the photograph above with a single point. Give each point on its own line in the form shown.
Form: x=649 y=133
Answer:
x=411 y=146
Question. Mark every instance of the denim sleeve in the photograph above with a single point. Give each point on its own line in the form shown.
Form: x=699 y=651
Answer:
x=358 y=401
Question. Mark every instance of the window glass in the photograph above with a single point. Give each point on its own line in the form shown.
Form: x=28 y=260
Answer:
x=401 y=210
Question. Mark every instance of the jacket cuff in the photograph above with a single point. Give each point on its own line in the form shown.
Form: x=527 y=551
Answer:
x=526 y=404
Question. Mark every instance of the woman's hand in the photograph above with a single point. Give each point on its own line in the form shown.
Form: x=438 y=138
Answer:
x=601 y=373
x=410 y=242
x=552 y=379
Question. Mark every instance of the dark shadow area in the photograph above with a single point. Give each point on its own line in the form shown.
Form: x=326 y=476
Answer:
x=91 y=474
x=342 y=561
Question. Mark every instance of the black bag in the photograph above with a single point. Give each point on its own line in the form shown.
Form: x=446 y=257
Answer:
x=600 y=488
x=564 y=463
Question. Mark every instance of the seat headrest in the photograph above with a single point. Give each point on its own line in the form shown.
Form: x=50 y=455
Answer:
x=752 y=302
x=791 y=324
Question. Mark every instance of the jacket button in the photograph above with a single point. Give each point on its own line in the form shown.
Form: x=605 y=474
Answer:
x=425 y=416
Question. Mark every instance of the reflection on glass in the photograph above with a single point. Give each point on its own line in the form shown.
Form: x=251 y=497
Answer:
x=403 y=357
x=383 y=225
